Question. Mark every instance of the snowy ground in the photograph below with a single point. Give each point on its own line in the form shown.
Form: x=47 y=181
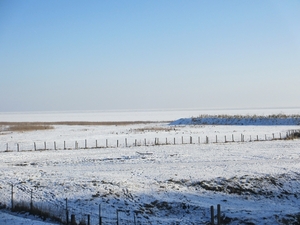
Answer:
x=255 y=182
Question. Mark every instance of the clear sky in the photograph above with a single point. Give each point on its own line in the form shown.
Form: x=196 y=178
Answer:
x=113 y=55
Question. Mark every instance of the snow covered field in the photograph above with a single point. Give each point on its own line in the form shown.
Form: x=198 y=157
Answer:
x=254 y=182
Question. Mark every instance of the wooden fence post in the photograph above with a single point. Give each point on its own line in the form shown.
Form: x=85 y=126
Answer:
x=31 y=202
x=174 y=141
x=64 y=145
x=67 y=211
x=166 y=141
x=34 y=146
x=7 y=147
x=18 y=147
x=199 y=140
x=265 y=137
x=280 y=135
x=257 y=137
x=181 y=139
x=54 y=145
x=145 y=142
x=117 y=143
x=273 y=136
x=225 y=139
x=117 y=217
x=106 y=143
x=100 y=216
x=219 y=214
x=85 y=144
x=12 y=197
x=45 y=145
x=212 y=219
x=232 y=138
x=73 y=219
x=216 y=138
x=126 y=142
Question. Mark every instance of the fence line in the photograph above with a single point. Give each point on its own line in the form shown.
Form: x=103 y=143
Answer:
x=20 y=198
x=116 y=143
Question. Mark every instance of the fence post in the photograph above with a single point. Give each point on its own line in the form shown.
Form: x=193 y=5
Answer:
x=31 y=203
x=106 y=143
x=54 y=145
x=198 y=140
x=191 y=140
x=207 y=140
x=174 y=141
x=216 y=138
x=212 y=221
x=89 y=219
x=18 y=147
x=219 y=214
x=117 y=217
x=100 y=217
x=73 y=220
x=67 y=212
x=96 y=143
x=265 y=137
x=126 y=142
x=145 y=142
x=12 y=197
x=117 y=143
x=135 y=142
x=280 y=135
x=7 y=147
x=232 y=138
x=250 y=138
x=257 y=137
x=64 y=145
x=34 y=146
x=273 y=136
x=166 y=141
x=85 y=144
x=181 y=139
x=45 y=145
x=225 y=139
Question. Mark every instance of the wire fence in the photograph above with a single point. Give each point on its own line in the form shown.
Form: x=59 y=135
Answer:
x=131 y=142
x=21 y=198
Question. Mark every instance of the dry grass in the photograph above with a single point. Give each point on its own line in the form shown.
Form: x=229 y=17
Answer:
x=33 y=126
x=154 y=129
x=22 y=127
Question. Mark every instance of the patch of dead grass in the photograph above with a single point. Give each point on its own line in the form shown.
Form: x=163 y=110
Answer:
x=32 y=126
x=154 y=129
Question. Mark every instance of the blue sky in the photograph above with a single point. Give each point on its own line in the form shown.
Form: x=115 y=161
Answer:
x=114 y=55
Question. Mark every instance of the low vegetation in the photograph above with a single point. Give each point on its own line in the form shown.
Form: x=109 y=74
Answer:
x=226 y=116
x=33 y=126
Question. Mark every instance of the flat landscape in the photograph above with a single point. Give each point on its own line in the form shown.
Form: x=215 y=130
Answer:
x=144 y=172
